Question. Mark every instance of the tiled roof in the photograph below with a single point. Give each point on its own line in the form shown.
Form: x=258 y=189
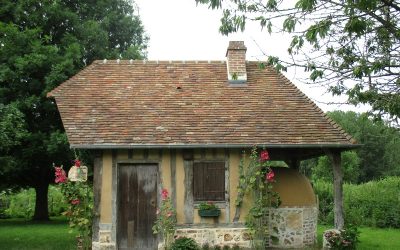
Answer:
x=147 y=103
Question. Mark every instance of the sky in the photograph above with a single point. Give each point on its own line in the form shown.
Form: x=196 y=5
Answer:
x=182 y=30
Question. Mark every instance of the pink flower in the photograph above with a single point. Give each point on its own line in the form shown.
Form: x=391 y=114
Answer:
x=264 y=156
x=164 y=194
x=270 y=176
x=75 y=202
x=158 y=211
x=61 y=176
x=77 y=163
x=169 y=214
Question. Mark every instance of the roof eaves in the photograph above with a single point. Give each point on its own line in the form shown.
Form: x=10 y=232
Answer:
x=159 y=146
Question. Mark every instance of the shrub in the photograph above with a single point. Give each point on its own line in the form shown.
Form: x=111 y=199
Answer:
x=21 y=204
x=346 y=239
x=206 y=246
x=184 y=243
x=375 y=203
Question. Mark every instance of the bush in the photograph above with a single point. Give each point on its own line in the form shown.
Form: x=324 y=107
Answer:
x=346 y=239
x=184 y=243
x=21 y=204
x=375 y=203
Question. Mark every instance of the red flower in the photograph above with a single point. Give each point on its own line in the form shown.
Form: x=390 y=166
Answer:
x=77 y=163
x=270 y=176
x=164 y=194
x=61 y=176
x=75 y=202
x=264 y=156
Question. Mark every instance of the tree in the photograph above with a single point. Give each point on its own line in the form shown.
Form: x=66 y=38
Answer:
x=42 y=44
x=350 y=165
x=349 y=46
x=378 y=157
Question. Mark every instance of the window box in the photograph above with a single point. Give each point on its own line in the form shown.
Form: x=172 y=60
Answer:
x=209 y=213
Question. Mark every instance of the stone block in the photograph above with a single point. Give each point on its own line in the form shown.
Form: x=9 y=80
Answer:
x=294 y=221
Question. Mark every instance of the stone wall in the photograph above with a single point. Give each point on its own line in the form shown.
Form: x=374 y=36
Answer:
x=221 y=236
x=293 y=227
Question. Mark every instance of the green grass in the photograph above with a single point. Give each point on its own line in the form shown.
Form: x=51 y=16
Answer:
x=21 y=234
x=372 y=238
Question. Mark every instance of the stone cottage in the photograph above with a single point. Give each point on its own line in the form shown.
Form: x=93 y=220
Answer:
x=182 y=125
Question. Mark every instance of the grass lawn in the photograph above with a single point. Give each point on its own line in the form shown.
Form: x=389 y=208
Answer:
x=21 y=234
x=372 y=238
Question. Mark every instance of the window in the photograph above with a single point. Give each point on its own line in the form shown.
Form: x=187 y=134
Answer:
x=209 y=181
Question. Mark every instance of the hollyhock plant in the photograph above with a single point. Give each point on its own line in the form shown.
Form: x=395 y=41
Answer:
x=269 y=177
x=166 y=219
x=164 y=194
x=79 y=199
x=257 y=177
x=264 y=155
x=77 y=163
x=61 y=176
x=75 y=202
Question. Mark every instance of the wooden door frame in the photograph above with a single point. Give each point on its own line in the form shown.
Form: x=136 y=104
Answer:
x=116 y=164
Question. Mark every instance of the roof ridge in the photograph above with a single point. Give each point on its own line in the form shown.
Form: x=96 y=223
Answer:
x=319 y=110
x=143 y=61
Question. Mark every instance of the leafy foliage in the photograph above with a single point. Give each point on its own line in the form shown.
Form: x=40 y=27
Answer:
x=347 y=238
x=207 y=206
x=165 y=224
x=373 y=204
x=184 y=243
x=257 y=177
x=376 y=158
x=42 y=44
x=351 y=47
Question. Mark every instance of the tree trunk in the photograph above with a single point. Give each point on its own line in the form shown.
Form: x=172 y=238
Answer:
x=336 y=160
x=41 y=204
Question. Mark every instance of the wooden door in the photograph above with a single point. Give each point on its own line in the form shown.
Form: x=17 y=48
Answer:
x=137 y=201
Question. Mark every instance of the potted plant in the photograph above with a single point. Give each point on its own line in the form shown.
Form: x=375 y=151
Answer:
x=208 y=209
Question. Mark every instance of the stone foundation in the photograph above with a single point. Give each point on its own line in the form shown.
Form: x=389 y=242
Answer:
x=293 y=227
x=105 y=242
x=217 y=236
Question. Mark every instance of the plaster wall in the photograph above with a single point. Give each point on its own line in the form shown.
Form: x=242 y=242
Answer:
x=173 y=175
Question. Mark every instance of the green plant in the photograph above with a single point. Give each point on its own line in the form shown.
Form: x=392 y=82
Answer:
x=258 y=178
x=79 y=198
x=375 y=203
x=184 y=243
x=165 y=223
x=20 y=204
x=209 y=205
x=225 y=247
x=205 y=246
x=347 y=238
x=235 y=247
x=217 y=247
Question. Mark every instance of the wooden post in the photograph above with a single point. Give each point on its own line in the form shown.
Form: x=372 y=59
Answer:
x=335 y=157
x=97 y=180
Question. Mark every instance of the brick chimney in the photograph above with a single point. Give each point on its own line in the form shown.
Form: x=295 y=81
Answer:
x=236 y=62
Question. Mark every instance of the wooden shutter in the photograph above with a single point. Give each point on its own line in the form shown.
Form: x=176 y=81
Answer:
x=209 y=181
